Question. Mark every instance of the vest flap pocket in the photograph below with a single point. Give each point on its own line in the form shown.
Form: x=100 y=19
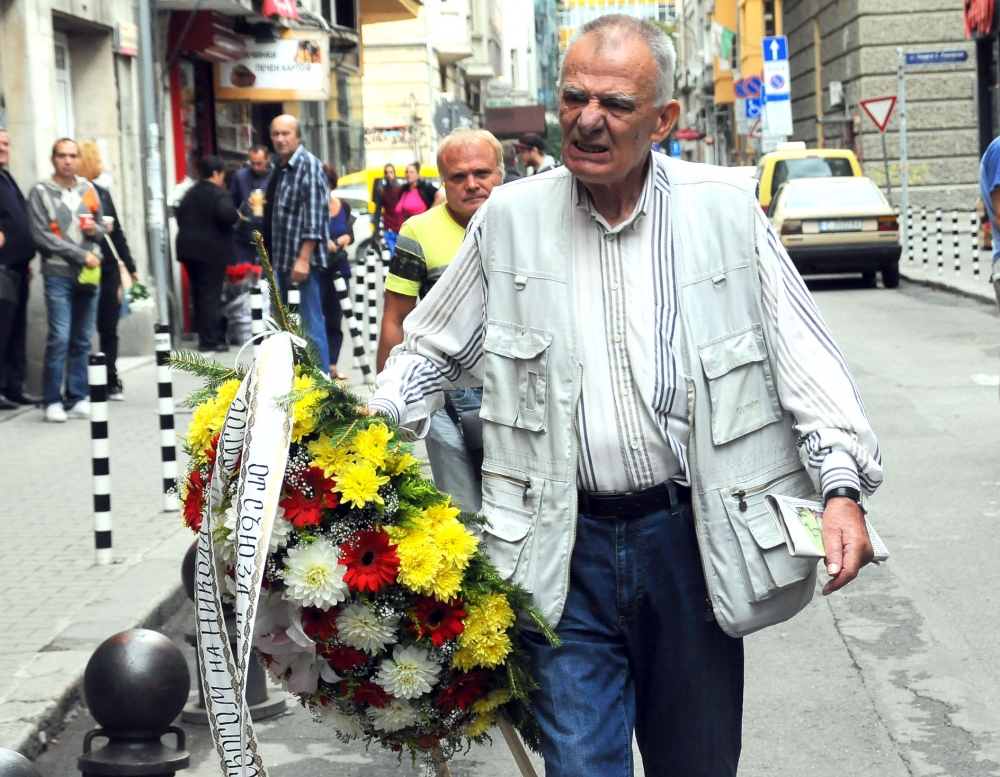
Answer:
x=732 y=351
x=764 y=530
x=516 y=375
x=509 y=528
x=510 y=505
x=740 y=385
x=515 y=342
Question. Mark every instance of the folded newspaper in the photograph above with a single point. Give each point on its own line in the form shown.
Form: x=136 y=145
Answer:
x=801 y=524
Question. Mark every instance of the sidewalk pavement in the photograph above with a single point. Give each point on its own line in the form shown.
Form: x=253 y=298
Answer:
x=60 y=605
x=959 y=283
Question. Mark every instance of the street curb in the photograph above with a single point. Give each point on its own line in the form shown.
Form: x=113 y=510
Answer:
x=34 y=739
x=985 y=297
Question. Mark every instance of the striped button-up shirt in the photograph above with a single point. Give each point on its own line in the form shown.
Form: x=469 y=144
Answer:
x=633 y=414
x=301 y=212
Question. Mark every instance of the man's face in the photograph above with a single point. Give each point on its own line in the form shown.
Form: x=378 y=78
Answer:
x=527 y=158
x=469 y=173
x=4 y=148
x=606 y=108
x=66 y=159
x=390 y=173
x=259 y=162
x=283 y=137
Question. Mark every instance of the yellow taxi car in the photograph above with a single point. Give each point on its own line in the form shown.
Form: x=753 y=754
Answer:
x=794 y=160
x=838 y=225
x=364 y=180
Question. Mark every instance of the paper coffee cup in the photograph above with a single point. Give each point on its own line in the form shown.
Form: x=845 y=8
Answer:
x=109 y=222
x=256 y=200
x=86 y=220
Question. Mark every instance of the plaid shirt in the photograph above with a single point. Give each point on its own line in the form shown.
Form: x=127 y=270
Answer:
x=301 y=212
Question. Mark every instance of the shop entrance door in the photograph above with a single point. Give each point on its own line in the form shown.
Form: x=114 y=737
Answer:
x=64 y=88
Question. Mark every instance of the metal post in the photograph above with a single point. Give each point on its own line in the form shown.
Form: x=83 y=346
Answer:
x=359 y=294
x=357 y=341
x=954 y=241
x=904 y=174
x=371 y=258
x=885 y=166
x=155 y=206
x=909 y=231
x=256 y=315
x=974 y=240
x=97 y=375
x=294 y=299
x=940 y=241
x=923 y=234
x=168 y=439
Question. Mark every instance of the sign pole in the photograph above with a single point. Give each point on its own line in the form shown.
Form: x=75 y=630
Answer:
x=885 y=164
x=903 y=161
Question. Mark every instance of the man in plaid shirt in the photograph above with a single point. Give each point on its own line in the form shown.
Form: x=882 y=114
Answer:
x=296 y=216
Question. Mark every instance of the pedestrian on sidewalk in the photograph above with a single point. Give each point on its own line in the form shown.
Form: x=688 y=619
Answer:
x=205 y=246
x=417 y=194
x=531 y=147
x=296 y=224
x=67 y=223
x=116 y=262
x=471 y=164
x=989 y=188
x=17 y=249
x=247 y=190
x=510 y=161
x=653 y=365
x=337 y=264
x=385 y=194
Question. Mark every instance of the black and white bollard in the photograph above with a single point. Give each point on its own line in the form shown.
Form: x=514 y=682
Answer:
x=359 y=294
x=97 y=375
x=909 y=234
x=294 y=300
x=165 y=407
x=974 y=242
x=956 y=254
x=923 y=234
x=940 y=241
x=371 y=284
x=256 y=315
x=357 y=341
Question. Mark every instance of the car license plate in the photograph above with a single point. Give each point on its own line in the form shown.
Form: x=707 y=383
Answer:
x=840 y=225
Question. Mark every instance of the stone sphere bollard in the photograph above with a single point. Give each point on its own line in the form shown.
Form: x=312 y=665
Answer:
x=135 y=685
x=13 y=764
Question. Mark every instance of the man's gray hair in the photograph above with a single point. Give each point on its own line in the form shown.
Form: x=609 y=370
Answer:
x=461 y=137
x=615 y=26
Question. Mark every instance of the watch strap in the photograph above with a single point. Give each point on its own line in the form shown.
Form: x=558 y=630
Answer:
x=846 y=492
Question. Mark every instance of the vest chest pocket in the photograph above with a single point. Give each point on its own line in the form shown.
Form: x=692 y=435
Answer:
x=516 y=378
x=740 y=384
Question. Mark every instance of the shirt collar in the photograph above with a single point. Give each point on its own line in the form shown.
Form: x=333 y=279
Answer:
x=294 y=158
x=585 y=201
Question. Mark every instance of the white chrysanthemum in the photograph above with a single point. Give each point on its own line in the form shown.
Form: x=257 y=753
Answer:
x=346 y=724
x=280 y=532
x=360 y=628
x=393 y=716
x=314 y=576
x=223 y=531
x=409 y=674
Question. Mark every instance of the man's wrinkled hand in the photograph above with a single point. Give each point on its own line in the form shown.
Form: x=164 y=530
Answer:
x=300 y=270
x=91 y=261
x=846 y=541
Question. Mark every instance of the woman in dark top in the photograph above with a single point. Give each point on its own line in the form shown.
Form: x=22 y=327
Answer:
x=114 y=248
x=417 y=194
x=341 y=236
x=205 y=245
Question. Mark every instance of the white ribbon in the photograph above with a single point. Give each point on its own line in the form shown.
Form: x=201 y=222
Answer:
x=258 y=430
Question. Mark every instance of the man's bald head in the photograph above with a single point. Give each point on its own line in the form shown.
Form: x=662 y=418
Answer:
x=285 y=136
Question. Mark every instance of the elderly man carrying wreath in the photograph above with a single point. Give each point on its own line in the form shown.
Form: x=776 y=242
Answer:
x=652 y=366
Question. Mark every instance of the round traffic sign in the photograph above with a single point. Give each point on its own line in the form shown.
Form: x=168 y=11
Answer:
x=752 y=85
x=740 y=88
x=777 y=81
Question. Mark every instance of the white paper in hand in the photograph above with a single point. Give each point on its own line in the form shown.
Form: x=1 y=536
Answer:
x=801 y=525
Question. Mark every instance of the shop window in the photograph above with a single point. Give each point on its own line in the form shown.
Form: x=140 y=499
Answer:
x=769 y=21
x=65 y=123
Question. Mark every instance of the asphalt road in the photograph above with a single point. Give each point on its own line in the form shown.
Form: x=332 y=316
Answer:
x=899 y=674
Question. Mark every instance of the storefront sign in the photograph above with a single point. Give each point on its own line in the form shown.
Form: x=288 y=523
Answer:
x=294 y=67
x=126 y=39
x=283 y=8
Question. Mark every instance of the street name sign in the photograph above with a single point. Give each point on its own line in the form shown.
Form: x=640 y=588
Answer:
x=777 y=83
x=936 y=57
x=879 y=109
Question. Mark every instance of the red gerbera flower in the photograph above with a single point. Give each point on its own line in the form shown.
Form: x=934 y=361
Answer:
x=194 y=501
x=304 y=507
x=438 y=620
x=320 y=624
x=371 y=563
x=462 y=691
x=212 y=451
x=369 y=693
x=342 y=658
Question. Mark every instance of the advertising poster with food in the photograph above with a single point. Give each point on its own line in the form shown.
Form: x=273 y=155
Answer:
x=294 y=67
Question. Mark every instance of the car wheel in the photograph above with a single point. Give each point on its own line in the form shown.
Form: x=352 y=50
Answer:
x=890 y=275
x=868 y=279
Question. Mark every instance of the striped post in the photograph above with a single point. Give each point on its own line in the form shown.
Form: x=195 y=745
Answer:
x=357 y=341
x=909 y=235
x=97 y=376
x=294 y=300
x=359 y=294
x=256 y=315
x=386 y=259
x=168 y=439
x=940 y=241
x=954 y=241
x=923 y=234
x=974 y=241
x=371 y=260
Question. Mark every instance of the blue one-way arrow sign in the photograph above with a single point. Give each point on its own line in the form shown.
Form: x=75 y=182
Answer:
x=775 y=48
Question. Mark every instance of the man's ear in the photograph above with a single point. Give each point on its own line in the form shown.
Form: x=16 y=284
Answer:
x=666 y=120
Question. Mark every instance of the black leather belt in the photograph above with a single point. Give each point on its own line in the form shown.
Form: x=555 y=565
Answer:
x=636 y=504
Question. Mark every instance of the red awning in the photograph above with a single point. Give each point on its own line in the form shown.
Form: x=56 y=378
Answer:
x=283 y=8
x=978 y=17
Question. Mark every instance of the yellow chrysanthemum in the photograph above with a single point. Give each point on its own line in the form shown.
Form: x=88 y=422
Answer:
x=447 y=583
x=484 y=641
x=464 y=660
x=304 y=410
x=497 y=612
x=371 y=444
x=394 y=465
x=491 y=701
x=440 y=514
x=419 y=561
x=457 y=544
x=226 y=393
x=491 y=650
x=359 y=483
x=208 y=417
x=480 y=725
x=328 y=455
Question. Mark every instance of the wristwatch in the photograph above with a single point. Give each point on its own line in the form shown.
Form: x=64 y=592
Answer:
x=846 y=492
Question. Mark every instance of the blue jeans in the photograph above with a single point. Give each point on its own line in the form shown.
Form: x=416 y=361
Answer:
x=453 y=468
x=310 y=310
x=638 y=653
x=72 y=313
x=390 y=240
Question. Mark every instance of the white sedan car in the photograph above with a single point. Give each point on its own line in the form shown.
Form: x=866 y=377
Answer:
x=358 y=202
